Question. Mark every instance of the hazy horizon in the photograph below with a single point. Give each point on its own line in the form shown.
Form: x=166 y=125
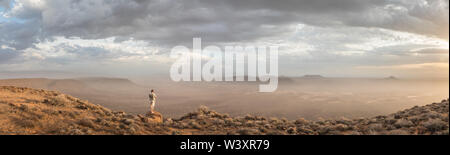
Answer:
x=310 y=98
x=348 y=38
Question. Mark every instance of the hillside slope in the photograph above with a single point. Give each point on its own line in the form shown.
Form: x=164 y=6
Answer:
x=32 y=111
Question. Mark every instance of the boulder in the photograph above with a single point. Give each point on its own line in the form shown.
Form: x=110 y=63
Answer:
x=154 y=117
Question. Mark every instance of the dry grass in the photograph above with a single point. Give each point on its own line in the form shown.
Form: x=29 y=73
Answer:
x=30 y=111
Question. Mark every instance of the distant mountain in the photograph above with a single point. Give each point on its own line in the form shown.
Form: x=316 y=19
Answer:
x=50 y=84
x=71 y=85
x=109 y=83
x=391 y=78
x=312 y=76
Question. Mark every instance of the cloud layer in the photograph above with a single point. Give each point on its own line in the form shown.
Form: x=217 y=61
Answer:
x=347 y=32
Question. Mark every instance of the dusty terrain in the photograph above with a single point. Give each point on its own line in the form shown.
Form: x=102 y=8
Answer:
x=36 y=111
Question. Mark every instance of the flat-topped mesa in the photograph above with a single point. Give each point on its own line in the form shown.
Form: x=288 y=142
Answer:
x=313 y=77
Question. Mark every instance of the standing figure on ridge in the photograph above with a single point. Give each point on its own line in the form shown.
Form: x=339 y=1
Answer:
x=152 y=97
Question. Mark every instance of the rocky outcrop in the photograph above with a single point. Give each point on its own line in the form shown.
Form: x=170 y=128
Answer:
x=32 y=111
x=425 y=120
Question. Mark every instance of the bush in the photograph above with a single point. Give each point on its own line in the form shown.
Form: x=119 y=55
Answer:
x=445 y=132
x=434 y=125
x=376 y=127
x=398 y=132
x=59 y=100
x=247 y=131
x=301 y=121
x=403 y=123
x=195 y=125
x=24 y=123
x=292 y=130
x=203 y=109
x=341 y=127
x=432 y=115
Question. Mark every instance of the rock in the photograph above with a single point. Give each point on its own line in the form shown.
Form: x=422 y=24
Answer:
x=268 y=126
x=403 y=123
x=146 y=119
x=376 y=127
x=195 y=125
x=81 y=106
x=176 y=132
x=301 y=121
x=24 y=107
x=292 y=130
x=99 y=120
x=121 y=126
x=86 y=122
x=132 y=130
x=156 y=117
x=169 y=120
x=119 y=113
x=115 y=118
x=128 y=121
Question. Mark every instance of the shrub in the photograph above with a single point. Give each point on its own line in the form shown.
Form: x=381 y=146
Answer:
x=248 y=131
x=249 y=117
x=24 y=123
x=372 y=132
x=250 y=123
x=432 y=115
x=398 y=132
x=292 y=130
x=24 y=107
x=403 y=123
x=376 y=127
x=434 y=125
x=301 y=121
x=59 y=100
x=445 y=132
x=195 y=125
x=341 y=127
x=354 y=133
x=203 y=109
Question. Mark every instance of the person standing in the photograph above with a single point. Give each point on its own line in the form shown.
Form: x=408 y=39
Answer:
x=152 y=96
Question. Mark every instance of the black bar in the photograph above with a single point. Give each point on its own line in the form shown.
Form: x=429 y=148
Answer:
x=318 y=144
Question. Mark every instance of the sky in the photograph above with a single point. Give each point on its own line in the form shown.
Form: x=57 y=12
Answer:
x=338 y=38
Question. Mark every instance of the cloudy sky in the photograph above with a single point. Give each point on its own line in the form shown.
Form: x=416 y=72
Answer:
x=356 y=38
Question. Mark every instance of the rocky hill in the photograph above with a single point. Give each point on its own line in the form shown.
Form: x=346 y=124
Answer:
x=33 y=111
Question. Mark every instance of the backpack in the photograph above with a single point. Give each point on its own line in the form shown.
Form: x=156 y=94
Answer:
x=151 y=97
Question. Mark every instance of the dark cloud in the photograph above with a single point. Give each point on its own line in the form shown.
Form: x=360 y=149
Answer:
x=5 y=4
x=177 y=21
x=331 y=25
x=8 y=56
x=432 y=51
x=20 y=35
